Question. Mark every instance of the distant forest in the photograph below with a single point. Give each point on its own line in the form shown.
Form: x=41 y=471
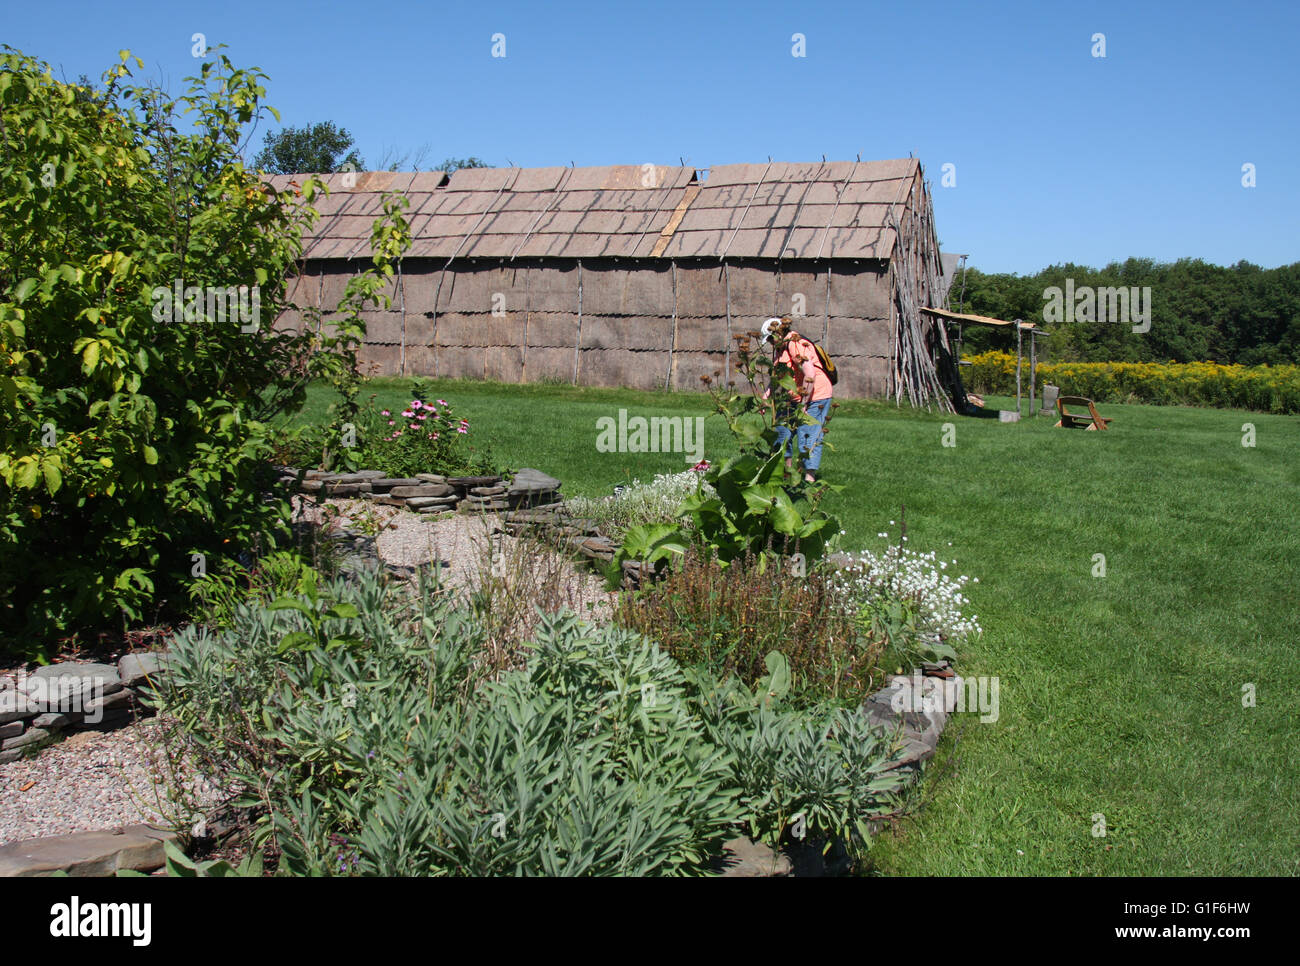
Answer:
x=1243 y=314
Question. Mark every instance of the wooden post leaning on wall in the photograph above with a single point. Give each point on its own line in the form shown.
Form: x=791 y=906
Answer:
x=401 y=294
x=577 y=339
x=671 y=379
x=726 y=374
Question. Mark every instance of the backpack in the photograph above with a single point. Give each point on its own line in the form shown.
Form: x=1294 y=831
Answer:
x=823 y=360
x=827 y=365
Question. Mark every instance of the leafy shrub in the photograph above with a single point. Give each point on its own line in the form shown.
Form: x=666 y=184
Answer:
x=216 y=596
x=816 y=776
x=1272 y=389
x=586 y=762
x=728 y=621
x=133 y=427
x=379 y=740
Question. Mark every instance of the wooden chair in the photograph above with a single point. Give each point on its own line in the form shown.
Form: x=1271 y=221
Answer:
x=1076 y=420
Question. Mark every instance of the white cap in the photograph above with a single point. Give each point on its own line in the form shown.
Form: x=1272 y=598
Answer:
x=769 y=327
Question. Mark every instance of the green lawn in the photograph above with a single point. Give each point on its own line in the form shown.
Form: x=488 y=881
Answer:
x=1119 y=695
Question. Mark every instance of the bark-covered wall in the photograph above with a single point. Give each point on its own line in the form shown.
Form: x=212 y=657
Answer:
x=646 y=324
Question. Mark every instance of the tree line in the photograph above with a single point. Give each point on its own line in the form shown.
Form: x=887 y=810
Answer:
x=1198 y=311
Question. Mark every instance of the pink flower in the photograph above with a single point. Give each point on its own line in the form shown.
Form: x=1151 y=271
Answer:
x=416 y=404
x=701 y=466
x=435 y=435
x=424 y=415
x=461 y=429
x=384 y=412
x=442 y=402
x=392 y=422
x=415 y=425
x=407 y=414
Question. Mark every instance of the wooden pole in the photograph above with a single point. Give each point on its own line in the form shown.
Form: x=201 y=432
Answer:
x=401 y=291
x=577 y=341
x=671 y=377
x=1018 y=337
x=1033 y=369
x=726 y=274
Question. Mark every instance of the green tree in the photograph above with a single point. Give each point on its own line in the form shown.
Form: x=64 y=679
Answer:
x=315 y=148
x=133 y=422
x=452 y=165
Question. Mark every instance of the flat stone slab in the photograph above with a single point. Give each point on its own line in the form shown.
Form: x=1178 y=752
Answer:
x=422 y=489
x=419 y=502
x=468 y=481
x=388 y=482
x=529 y=480
x=14 y=705
x=329 y=488
x=32 y=736
x=134 y=669
x=70 y=687
x=138 y=847
x=54 y=720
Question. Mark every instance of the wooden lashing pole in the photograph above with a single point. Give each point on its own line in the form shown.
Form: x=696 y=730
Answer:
x=671 y=378
x=577 y=342
x=726 y=372
x=401 y=291
x=826 y=306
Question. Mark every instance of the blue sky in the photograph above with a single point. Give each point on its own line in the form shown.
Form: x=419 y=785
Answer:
x=1058 y=155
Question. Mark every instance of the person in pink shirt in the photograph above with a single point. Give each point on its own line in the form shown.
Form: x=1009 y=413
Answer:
x=813 y=388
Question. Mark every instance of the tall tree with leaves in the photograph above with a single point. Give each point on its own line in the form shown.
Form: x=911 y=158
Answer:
x=313 y=149
x=141 y=268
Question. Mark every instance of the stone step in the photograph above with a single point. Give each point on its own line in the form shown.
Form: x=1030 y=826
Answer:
x=136 y=847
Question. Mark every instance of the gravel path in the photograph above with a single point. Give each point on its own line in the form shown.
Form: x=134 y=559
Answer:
x=92 y=780
x=465 y=544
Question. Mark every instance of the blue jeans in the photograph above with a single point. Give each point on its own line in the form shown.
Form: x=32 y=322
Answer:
x=809 y=437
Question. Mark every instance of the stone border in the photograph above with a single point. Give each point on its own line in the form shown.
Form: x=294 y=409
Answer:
x=36 y=708
x=428 y=492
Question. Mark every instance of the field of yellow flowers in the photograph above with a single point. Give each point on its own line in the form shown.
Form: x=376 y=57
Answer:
x=1269 y=389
